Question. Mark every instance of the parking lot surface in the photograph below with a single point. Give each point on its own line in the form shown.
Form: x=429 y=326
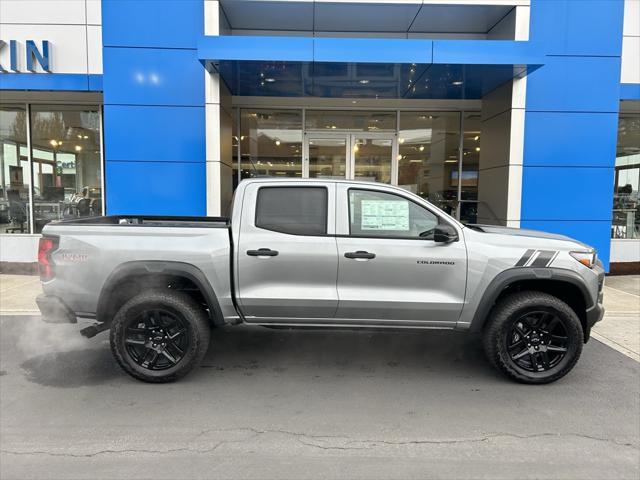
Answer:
x=310 y=404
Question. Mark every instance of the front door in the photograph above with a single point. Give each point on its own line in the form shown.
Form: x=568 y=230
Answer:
x=365 y=156
x=390 y=270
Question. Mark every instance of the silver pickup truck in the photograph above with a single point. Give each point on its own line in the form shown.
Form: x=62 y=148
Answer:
x=321 y=253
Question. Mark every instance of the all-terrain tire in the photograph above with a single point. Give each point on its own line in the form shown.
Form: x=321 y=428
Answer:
x=502 y=319
x=193 y=323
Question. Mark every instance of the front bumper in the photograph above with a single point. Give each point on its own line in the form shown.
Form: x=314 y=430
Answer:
x=54 y=310
x=594 y=315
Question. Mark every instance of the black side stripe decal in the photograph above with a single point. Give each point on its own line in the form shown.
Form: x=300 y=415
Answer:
x=525 y=258
x=543 y=259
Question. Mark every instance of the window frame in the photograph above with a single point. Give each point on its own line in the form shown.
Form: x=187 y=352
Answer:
x=326 y=221
x=441 y=219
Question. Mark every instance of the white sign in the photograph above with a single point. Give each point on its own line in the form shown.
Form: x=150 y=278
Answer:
x=385 y=215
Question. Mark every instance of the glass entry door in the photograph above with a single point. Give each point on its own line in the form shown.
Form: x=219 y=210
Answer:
x=327 y=156
x=368 y=157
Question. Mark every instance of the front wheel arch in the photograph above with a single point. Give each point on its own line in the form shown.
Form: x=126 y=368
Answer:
x=563 y=284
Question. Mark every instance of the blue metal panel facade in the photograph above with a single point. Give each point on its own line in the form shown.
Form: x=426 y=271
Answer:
x=154 y=111
x=571 y=120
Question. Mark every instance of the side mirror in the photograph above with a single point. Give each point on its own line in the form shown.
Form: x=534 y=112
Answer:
x=445 y=234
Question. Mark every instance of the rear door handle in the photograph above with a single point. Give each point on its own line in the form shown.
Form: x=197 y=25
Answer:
x=262 y=252
x=360 y=254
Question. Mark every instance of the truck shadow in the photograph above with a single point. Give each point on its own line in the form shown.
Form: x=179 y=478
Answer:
x=75 y=368
x=311 y=353
x=322 y=352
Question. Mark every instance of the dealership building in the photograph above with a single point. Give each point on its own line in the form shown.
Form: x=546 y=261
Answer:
x=524 y=113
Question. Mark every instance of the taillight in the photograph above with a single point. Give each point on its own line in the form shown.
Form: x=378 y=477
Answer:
x=46 y=247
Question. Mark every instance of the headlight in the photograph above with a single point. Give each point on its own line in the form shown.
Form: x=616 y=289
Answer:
x=586 y=258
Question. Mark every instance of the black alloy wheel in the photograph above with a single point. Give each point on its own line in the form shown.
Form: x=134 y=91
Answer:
x=533 y=337
x=157 y=339
x=537 y=341
x=160 y=335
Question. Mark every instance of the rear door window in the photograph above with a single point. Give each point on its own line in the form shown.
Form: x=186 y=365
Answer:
x=292 y=210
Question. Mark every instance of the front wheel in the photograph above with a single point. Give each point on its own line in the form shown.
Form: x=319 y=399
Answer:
x=159 y=336
x=533 y=337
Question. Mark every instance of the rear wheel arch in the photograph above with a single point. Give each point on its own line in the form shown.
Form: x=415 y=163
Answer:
x=132 y=278
x=562 y=284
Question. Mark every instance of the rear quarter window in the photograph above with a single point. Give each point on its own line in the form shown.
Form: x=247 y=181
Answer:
x=292 y=210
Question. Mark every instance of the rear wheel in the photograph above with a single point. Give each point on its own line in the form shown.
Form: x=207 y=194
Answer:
x=533 y=337
x=159 y=336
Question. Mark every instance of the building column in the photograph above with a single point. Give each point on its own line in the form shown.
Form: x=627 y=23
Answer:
x=500 y=169
x=219 y=122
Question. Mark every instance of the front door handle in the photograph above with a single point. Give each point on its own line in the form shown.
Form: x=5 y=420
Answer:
x=262 y=252
x=360 y=254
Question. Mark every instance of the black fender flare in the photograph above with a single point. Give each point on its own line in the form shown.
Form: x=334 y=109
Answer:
x=513 y=275
x=144 y=267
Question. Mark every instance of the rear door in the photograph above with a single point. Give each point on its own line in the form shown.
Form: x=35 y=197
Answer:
x=287 y=259
x=390 y=269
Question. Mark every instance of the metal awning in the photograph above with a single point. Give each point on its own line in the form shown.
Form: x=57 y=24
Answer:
x=366 y=67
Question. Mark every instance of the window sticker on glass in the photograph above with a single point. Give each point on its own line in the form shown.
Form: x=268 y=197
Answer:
x=385 y=215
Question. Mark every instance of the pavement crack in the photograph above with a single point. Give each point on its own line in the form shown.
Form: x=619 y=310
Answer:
x=313 y=441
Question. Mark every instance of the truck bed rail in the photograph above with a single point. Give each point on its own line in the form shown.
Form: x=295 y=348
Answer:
x=148 y=220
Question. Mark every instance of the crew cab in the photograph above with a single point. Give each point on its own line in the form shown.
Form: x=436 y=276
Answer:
x=321 y=253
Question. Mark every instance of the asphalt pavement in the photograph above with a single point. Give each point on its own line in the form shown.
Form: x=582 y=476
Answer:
x=310 y=404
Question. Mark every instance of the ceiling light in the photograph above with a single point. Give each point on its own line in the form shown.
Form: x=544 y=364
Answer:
x=78 y=148
x=333 y=127
x=457 y=83
x=356 y=148
x=477 y=149
x=421 y=148
x=398 y=157
x=415 y=160
x=450 y=161
x=79 y=136
x=476 y=138
x=363 y=82
x=401 y=140
x=278 y=142
x=53 y=143
x=269 y=80
x=354 y=101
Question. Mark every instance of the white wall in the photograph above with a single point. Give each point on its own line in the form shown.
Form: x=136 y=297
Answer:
x=630 y=71
x=19 y=248
x=72 y=27
x=625 y=250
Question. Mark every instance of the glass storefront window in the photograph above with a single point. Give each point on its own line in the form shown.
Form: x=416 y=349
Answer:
x=350 y=121
x=471 y=123
x=65 y=149
x=428 y=156
x=271 y=143
x=15 y=177
x=626 y=199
